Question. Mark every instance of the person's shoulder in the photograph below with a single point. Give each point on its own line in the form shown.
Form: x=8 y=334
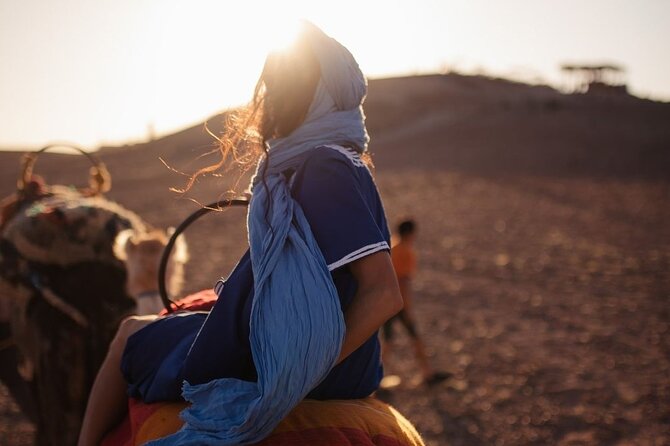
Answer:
x=333 y=167
x=335 y=155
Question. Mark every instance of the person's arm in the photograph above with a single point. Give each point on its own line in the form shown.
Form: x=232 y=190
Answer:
x=377 y=300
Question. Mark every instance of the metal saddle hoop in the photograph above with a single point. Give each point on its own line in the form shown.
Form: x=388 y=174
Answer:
x=99 y=177
x=162 y=269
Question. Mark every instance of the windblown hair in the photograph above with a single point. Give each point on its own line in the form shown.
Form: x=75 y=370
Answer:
x=279 y=105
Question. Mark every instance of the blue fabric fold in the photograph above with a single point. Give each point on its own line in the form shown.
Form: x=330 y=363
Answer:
x=297 y=327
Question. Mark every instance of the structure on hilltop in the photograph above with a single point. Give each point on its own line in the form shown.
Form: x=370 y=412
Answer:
x=606 y=80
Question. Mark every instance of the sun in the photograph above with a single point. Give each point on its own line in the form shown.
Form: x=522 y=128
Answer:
x=192 y=60
x=281 y=38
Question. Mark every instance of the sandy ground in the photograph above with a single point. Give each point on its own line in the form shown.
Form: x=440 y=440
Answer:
x=546 y=292
x=549 y=301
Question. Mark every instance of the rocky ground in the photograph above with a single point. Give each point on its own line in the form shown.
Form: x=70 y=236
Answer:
x=544 y=287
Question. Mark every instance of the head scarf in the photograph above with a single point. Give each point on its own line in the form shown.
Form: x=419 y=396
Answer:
x=297 y=326
x=335 y=115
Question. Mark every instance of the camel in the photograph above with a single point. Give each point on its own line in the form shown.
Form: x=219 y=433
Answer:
x=62 y=295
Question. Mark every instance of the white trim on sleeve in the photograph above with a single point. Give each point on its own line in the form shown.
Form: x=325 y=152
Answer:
x=359 y=253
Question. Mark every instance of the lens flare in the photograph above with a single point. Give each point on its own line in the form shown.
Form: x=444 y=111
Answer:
x=281 y=38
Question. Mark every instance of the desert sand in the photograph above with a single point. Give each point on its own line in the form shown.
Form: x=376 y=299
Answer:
x=544 y=245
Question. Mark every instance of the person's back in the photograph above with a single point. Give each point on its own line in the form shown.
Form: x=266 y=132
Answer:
x=404 y=260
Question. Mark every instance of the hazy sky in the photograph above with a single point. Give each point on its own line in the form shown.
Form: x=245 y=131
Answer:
x=106 y=70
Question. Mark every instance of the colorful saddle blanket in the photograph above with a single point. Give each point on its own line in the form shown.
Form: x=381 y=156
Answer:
x=364 y=422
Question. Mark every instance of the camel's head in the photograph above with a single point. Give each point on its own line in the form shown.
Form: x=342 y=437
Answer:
x=142 y=251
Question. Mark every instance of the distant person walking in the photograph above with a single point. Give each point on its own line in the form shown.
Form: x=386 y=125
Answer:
x=404 y=259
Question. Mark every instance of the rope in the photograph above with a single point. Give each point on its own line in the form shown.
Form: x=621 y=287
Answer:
x=58 y=303
x=65 y=308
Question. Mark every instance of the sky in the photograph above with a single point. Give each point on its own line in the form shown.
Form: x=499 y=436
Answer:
x=116 y=71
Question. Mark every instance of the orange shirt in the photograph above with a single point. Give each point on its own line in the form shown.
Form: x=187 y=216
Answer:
x=403 y=258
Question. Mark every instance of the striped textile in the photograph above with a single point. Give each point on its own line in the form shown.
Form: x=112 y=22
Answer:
x=365 y=422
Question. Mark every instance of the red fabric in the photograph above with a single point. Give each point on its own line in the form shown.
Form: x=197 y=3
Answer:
x=201 y=301
x=121 y=436
x=125 y=433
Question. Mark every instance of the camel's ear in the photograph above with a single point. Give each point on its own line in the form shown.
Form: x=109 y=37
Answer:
x=180 y=248
x=122 y=243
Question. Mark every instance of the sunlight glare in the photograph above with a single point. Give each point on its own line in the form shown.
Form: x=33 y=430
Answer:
x=282 y=37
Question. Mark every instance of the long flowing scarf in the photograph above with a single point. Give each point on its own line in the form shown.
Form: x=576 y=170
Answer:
x=297 y=326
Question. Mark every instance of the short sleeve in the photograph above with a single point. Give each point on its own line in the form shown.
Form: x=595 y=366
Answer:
x=342 y=206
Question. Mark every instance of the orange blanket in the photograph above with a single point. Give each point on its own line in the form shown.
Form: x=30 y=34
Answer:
x=366 y=422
